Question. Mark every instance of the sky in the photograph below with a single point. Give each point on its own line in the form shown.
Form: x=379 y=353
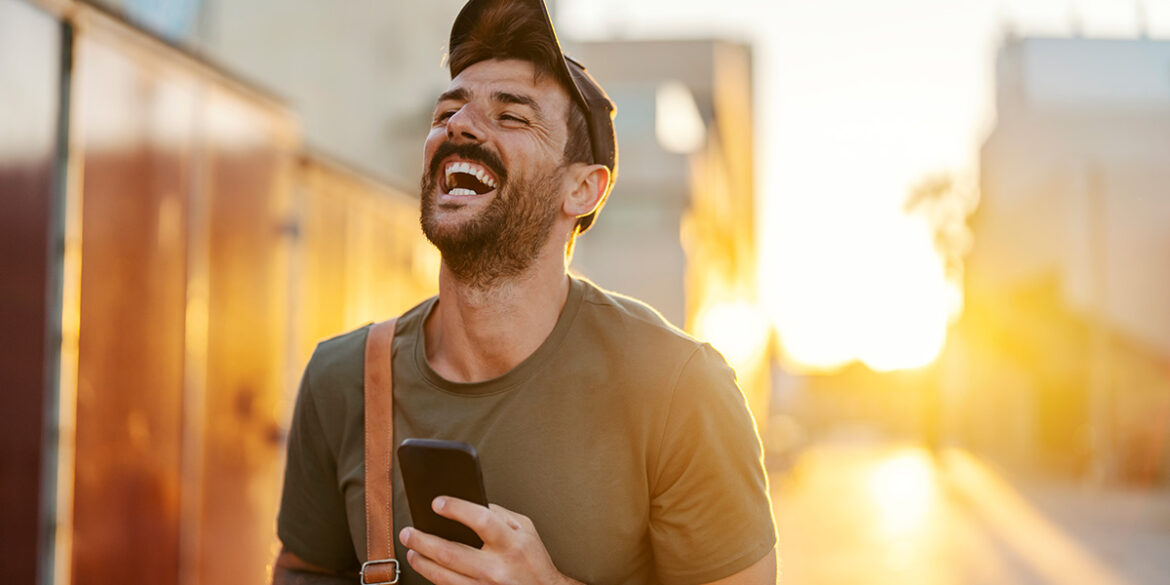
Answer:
x=857 y=101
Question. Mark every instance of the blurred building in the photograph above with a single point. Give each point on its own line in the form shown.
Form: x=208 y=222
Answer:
x=1067 y=326
x=362 y=79
x=678 y=230
x=171 y=254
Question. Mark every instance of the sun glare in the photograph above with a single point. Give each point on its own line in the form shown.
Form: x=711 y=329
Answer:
x=906 y=326
x=739 y=330
x=885 y=302
x=902 y=489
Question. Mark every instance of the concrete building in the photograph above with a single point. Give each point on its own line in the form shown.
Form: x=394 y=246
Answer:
x=1068 y=286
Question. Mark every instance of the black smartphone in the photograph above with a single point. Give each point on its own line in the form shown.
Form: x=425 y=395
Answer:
x=433 y=468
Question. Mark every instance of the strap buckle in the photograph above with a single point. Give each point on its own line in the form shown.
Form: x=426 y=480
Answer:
x=369 y=564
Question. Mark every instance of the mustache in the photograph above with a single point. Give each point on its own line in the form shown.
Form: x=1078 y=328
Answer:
x=470 y=152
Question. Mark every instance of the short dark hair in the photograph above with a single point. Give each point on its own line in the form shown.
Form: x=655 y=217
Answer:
x=516 y=30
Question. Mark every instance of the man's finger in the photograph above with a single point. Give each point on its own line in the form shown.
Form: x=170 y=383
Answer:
x=434 y=572
x=490 y=526
x=454 y=556
x=514 y=520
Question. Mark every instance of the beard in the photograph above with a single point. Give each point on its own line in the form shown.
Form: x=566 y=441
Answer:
x=506 y=237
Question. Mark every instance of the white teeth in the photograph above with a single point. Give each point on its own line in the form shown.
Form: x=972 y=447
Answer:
x=461 y=192
x=471 y=169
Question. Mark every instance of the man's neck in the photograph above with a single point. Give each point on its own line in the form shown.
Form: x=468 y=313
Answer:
x=476 y=334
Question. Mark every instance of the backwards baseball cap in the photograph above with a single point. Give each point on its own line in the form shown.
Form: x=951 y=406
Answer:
x=599 y=110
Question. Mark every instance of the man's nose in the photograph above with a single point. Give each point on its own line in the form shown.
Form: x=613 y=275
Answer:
x=464 y=125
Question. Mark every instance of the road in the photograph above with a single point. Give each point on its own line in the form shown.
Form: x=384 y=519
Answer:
x=873 y=512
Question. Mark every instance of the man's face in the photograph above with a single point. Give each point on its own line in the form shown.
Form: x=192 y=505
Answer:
x=494 y=176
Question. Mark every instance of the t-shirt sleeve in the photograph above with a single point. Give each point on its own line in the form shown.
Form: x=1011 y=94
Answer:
x=710 y=514
x=312 y=519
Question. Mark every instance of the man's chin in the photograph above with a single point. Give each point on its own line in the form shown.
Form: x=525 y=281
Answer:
x=453 y=234
x=450 y=218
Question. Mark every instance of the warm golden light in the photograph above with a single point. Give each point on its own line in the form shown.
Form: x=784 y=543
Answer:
x=886 y=304
x=902 y=489
x=907 y=325
x=739 y=330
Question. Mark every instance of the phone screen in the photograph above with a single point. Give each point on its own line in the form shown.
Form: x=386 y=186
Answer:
x=433 y=468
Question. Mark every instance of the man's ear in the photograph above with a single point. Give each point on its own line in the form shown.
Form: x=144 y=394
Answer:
x=589 y=185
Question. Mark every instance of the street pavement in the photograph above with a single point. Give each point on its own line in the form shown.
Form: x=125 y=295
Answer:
x=869 y=511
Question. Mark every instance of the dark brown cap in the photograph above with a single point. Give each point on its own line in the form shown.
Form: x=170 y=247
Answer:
x=598 y=108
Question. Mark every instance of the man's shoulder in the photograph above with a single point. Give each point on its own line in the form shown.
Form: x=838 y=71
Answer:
x=343 y=344
x=340 y=360
x=632 y=320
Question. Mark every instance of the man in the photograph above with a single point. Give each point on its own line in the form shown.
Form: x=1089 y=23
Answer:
x=615 y=449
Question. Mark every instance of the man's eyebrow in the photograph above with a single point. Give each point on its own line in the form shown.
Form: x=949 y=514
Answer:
x=458 y=94
x=512 y=98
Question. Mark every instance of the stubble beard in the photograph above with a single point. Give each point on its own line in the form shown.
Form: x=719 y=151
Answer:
x=501 y=242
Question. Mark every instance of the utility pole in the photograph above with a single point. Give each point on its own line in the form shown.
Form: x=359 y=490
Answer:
x=1142 y=15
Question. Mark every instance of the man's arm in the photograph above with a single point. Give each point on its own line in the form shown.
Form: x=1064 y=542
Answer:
x=312 y=516
x=709 y=490
x=293 y=570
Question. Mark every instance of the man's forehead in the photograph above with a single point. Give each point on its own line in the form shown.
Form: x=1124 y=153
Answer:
x=509 y=77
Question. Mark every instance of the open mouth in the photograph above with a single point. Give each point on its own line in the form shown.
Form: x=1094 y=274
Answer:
x=462 y=178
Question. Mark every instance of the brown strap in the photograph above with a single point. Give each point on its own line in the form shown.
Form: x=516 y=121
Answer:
x=380 y=566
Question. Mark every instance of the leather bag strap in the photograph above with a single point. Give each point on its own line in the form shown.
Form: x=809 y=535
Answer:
x=380 y=567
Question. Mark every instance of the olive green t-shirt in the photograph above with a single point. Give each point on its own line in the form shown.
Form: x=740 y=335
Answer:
x=626 y=442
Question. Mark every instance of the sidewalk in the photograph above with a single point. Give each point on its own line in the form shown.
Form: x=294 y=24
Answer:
x=875 y=511
x=1066 y=532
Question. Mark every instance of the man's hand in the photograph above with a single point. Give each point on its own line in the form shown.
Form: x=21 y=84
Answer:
x=512 y=553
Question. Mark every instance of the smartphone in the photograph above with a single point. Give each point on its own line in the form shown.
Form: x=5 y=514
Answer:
x=433 y=468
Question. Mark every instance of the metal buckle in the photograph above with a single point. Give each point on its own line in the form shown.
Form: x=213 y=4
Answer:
x=376 y=563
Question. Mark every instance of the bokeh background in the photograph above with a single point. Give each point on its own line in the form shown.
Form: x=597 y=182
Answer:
x=932 y=236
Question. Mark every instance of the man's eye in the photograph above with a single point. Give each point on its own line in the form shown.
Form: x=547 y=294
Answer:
x=445 y=115
x=512 y=118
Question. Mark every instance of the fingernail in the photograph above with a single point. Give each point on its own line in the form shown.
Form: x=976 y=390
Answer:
x=439 y=503
x=404 y=536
